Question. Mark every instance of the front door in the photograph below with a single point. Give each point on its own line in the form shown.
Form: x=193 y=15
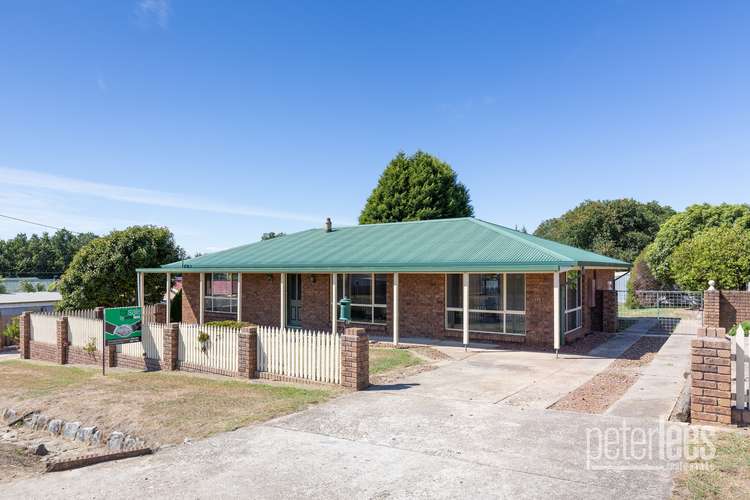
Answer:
x=294 y=299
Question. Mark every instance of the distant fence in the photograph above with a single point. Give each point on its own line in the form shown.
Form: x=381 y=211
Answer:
x=304 y=354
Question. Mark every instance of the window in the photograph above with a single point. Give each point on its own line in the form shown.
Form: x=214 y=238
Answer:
x=221 y=293
x=368 y=295
x=497 y=303
x=571 y=297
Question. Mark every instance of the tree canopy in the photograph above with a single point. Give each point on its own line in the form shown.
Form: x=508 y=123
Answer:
x=43 y=255
x=416 y=187
x=102 y=273
x=616 y=228
x=684 y=226
x=718 y=253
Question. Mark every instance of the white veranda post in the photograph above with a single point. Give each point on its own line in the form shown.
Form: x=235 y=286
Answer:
x=466 y=309
x=334 y=295
x=202 y=298
x=169 y=297
x=395 y=309
x=282 y=319
x=556 y=309
x=239 y=296
x=141 y=290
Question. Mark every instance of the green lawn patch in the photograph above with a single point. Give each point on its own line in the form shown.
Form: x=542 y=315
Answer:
x=387 y=359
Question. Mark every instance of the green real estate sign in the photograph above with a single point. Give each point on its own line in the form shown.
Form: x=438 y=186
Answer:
x=122 y=325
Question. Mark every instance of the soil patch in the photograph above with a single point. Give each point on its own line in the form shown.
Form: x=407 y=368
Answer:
x=17 y=462
x=599 y=393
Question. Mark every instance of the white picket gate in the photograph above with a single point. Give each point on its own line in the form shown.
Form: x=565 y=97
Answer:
x=304 y=354
x=152 y=342
x=219 y=352
x=82 y=330
x=44 y=328
x=741 y=350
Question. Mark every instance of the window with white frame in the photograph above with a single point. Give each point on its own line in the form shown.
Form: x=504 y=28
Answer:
x=571 y=298
x=221 y=292
x=368 y=295
x=497 y=303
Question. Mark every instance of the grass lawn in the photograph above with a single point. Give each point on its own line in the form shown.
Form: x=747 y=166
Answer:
x=385 y=359
x=160 y=407
x=729 y=474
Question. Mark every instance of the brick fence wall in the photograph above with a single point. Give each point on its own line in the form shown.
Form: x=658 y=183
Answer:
x=725 y=308
x=710 y=401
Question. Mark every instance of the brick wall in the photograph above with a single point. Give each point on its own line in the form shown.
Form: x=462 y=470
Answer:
x=355 y=356
x=540 y=313
x=710 y=401
x=726 y=308
x=191 y=289
x=316 y=301
x=261 y=298
x=42 y=351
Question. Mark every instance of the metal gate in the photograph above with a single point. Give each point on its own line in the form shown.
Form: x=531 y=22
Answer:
x=658 y=311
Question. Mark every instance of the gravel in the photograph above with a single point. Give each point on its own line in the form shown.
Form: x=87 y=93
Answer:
x=599 y=393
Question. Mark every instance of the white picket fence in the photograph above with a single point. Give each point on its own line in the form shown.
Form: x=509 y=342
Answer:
x=741 y=352
x=83 y=330
x=79 y=313
x=219 y=352
x=152 y=343
x=44 y=328
x=304 y=354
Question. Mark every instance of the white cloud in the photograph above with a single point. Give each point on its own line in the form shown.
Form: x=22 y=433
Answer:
x=38 y=180
x=154 y=11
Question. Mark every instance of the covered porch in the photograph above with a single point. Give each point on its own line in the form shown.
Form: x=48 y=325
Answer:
x=521 y=306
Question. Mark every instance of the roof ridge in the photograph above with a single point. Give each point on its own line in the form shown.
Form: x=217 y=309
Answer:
x=420 y=221
x=511 y=233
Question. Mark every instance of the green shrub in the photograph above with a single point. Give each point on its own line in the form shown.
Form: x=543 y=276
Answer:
x=13 y=331
x=229 y=323
x=745 y=327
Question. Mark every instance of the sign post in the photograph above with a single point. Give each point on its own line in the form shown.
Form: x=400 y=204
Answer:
x=122 y=325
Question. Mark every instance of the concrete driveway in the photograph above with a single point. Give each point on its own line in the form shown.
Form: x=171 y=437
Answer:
x=476 y=427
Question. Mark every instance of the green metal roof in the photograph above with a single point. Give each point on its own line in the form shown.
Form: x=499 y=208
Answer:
x=446 y=245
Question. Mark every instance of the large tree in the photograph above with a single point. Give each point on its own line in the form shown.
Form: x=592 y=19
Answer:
x=684 y=225
x=617 y=228
x=416 y=187
x=103 y=272
x=40 y=255
x=716 y=253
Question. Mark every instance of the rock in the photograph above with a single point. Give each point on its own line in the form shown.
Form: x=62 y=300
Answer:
x=54 y=426
x=29 y=420
x=41 y=422
x=96 y=438
x=129 y=443
x=84 y=434
x=70 y=429
x=115 y=440
x=9 y=414
x=187 y=441
x=39 y=450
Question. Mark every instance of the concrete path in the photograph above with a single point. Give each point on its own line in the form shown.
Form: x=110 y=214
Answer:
x=475 y=427
x=660 y=382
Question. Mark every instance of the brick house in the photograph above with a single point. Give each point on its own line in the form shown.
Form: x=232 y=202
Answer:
x=462 y=279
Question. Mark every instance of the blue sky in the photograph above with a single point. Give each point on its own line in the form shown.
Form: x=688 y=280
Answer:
x=223 y=120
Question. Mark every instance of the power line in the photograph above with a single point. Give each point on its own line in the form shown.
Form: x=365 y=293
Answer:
x=38 y=224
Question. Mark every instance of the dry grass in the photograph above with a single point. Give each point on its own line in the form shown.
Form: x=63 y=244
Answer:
x=385 y=359
x=727 y=475
x=160 y=407
x=17 y=463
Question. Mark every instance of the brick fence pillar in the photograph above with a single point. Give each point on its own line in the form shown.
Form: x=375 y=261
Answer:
x=355 y=359
x=24 y=323
x=609 y=311
x=712 y=308
x=171 y=342
x=62 y=340
x=160 y=313
x=99 y=312
x=248 y=347
x=711 y=392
